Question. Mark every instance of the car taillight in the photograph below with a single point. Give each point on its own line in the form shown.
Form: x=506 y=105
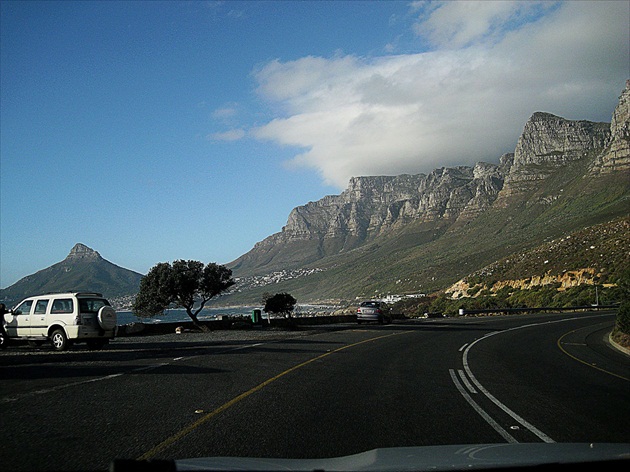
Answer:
x=78 y=320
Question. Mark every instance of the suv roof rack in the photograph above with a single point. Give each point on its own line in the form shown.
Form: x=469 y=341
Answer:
x=94 y=294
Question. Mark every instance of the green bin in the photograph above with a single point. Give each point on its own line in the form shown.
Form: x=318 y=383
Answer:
x=257 y=317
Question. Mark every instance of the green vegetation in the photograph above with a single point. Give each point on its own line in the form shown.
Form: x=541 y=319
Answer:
x=602 y=248
x=181 y=284
x=279 y=304
x=617 y=294
x=507 y=298
x=621 y=332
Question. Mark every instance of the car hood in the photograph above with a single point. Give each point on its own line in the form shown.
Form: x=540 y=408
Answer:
x=433 y=458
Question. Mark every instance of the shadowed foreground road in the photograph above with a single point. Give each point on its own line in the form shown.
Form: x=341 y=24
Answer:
x=319 y=393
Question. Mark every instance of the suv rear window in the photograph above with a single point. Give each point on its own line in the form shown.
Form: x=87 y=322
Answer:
x=92 y=305
x=63 y=305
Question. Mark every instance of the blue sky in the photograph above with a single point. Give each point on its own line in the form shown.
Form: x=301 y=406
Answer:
x=155 y=131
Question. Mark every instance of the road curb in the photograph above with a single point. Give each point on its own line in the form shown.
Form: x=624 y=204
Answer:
x=619 y=347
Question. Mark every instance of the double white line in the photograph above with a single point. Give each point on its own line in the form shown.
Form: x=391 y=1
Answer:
x=470 y=385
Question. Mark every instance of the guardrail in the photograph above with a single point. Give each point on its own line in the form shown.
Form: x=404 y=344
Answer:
x=464 y=311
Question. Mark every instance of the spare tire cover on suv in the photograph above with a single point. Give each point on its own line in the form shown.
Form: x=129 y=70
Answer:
x=107 y=317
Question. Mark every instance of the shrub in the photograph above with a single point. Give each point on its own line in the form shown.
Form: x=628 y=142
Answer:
x=622 y=322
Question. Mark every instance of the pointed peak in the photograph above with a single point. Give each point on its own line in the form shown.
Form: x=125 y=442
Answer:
x=81 y=251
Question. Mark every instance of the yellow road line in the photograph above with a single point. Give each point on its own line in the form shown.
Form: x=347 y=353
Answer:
x=189 y=429
x=559 y=342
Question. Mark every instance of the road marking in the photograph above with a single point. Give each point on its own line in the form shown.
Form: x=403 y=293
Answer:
x=149 y=367
x=56 y=388
x=189 y=429
x=42 y=391
x=468 y=385
x=497 y=427
x=494 y=400
x=242 y=347
x=560 y=343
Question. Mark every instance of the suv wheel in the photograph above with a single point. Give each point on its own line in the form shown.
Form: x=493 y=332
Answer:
x=4 y=340
x=59 y=340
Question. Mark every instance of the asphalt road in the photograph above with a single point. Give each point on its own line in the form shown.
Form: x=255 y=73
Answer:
x=326 y=392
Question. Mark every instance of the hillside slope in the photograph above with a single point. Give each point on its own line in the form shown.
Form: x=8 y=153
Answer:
x=409 y=234
x=82 y=270
x=597 y=255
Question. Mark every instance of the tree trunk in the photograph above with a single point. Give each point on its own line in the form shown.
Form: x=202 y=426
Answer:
x=195 y=321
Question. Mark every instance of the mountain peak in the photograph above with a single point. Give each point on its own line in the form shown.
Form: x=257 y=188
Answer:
x=81 y=251
x=83 y=270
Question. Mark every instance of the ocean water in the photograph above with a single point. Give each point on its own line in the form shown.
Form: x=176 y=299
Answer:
x=173 y=316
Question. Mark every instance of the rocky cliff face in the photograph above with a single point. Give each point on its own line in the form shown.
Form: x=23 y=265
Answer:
x=373 y=206
x=550 y=139
x=616 y=155
x=82 y=252
x=547 y=143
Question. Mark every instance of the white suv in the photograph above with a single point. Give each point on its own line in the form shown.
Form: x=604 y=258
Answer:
x=63 y=318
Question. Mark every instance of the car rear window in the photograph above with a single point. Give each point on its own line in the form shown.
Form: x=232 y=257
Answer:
x=92 y=305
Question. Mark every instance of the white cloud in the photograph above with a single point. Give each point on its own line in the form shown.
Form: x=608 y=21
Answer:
x=412 y=113
x=458 y=24
x=223 y=113
x=230 y=135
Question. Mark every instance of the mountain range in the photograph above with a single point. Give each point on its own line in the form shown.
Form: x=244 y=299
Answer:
x=410 y=234
x=420 y=233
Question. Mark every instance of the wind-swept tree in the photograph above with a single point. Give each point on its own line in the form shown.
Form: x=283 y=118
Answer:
x=182 y=284
x=280 y=303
